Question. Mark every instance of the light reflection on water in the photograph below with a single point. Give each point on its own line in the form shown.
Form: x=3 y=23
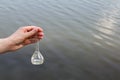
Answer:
x=81 y=39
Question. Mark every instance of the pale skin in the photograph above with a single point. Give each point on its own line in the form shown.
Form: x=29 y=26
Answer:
x=22 y=37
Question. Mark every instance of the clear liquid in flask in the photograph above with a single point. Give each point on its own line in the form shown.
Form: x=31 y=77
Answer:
x=37 y=57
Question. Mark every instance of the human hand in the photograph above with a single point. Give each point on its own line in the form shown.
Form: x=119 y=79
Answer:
x=24 y=36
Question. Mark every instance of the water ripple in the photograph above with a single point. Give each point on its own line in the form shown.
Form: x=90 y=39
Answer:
x=81 y=38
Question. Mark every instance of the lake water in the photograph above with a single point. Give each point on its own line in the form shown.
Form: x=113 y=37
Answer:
x=82 y=39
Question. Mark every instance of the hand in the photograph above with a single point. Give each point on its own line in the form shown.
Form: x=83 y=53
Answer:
x=24 y=36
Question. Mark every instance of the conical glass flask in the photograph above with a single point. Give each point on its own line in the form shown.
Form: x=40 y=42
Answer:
x=37 y=57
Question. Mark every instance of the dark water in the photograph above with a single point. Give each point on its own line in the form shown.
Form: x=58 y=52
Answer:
x=82 y=39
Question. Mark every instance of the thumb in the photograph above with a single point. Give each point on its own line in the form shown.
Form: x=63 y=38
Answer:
x=30 y=33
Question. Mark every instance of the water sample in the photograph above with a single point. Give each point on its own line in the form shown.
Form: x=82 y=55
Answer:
x=37 y=57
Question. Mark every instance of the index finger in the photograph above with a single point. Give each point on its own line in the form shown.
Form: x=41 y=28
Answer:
x=40 y=29
x=27 y=28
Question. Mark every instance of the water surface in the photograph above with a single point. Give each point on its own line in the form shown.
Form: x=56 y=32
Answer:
x=81 y=39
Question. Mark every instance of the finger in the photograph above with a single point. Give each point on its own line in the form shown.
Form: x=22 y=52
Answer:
x=29 y=41
x=33 y=40
x=40 y=37
x=26 y=42
x=40 y=29
x=27 y=27
x=30 y=33
x=41 y=34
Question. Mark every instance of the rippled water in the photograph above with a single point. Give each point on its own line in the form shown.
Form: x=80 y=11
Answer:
x=81 y=39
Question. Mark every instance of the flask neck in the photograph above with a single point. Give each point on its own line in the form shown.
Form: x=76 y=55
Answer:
x=37 y=46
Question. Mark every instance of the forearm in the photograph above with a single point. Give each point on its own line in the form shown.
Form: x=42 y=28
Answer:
x=4 y=45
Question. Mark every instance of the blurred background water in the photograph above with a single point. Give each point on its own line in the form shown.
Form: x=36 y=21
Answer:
x=81 y=40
